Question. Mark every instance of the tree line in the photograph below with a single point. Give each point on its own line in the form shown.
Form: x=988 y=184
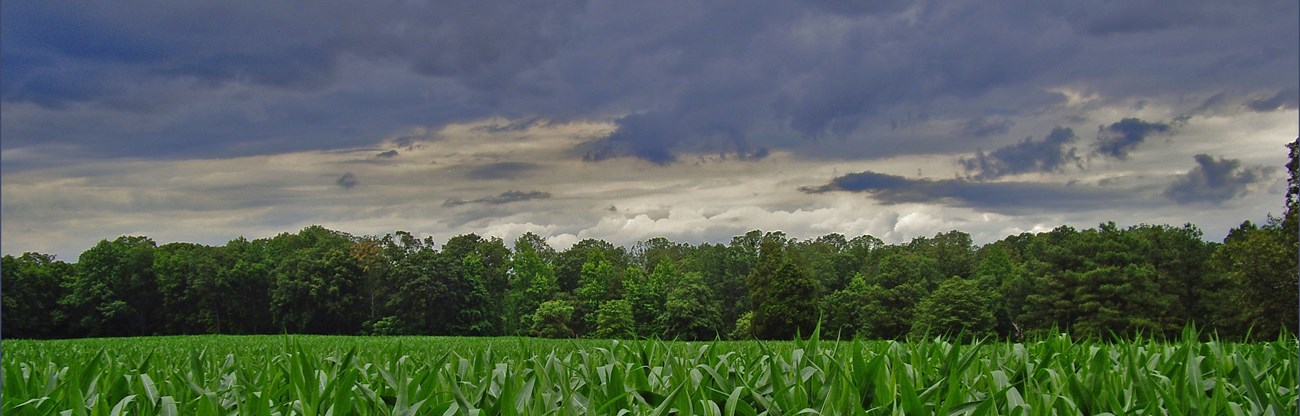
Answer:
x=1107 y=281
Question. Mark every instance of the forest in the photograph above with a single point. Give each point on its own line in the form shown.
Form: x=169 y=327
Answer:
x=1105 y=282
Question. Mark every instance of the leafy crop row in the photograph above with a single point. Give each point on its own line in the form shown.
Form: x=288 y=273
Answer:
x=322 y=375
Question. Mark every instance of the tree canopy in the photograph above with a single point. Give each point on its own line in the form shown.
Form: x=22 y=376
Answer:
x=1106 y=281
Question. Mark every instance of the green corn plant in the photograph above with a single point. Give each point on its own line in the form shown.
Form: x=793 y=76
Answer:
x=404 y=376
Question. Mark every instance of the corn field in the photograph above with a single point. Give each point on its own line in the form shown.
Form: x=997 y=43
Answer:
x=330 y=375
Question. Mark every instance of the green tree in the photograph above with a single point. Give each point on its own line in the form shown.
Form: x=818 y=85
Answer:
x=843 y=310
x=1258 y=266
x=614 y=320
x=431 y=295
x=689 y=310
x=791 y=305
x=744 y=328
x=600 y=282
x=895 y=285
x=552 y=320
x=825 y=260
x=191 y=287
x=1004 y=280
x=570 y=262
x=369 y=255
x=1051 y=266
x=725 y=276
x=247 y=272
x=1291 y=219
x=957 y=306
x=318 y=291
x=33 y=284
x=1117 y=300
x=475 y=314
x=953 y=252
x=1180 y=257
x=115 y=292
x=496 y=279
x=532 y=282
x=650 y=252
x=647 y=295
x=771 y=256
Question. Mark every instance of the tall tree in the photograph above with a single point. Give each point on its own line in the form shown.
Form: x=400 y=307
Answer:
x=570 y=262
x=843 y=310
x=957 y=306
x=532 y=282
x=953 y=252
x=1051 y=267
x=552 y=320
x=647 y=295
x=771 y=256
x=319 y=286
x=895 y=285
x=115 y=292
x=725 y=277
x=247 y=272
x=1005 y=281
x=33 y=284
x=369 y=255
x=790 y=306
x=475 y=316
x=614 y=320
x=600 y=281
x=1291 y=219
x=191 y=288
x=689 y=310
x=1258 y=264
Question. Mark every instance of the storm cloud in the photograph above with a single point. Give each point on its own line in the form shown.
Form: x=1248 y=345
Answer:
x=985 y=126
x=1215 y=181
x=347 y=181
x=1048 y=155
x=1000 y=197
x=1287 y=99
x=504 y=198
x=1122 y=137
x=502 y=170
x=174 y=80
x=695 y=119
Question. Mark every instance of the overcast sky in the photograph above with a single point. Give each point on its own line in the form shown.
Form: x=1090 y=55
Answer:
x=204 y=121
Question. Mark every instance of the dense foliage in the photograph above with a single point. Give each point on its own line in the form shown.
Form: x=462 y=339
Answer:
x=331 y=375
x=1106 y=281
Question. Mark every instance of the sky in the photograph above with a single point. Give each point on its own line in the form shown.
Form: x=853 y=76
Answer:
x=205 y=121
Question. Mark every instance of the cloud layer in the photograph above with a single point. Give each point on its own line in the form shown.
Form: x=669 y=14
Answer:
x=203 y=121
x=204 y=79
x=1047 y=155
x=1215 y=181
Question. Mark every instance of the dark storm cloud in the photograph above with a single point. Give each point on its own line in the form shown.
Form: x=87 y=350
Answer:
x=347 y=181
x=985 y=126
x=737 y=78
x=1049 y=155
x=503 y=170
x=389 y=154
x=504 y=198
x=281 y=45
x=1214 y=181
x=1121 y=18
x=1002 y=197
x=1122 y=137
x=1285 y=99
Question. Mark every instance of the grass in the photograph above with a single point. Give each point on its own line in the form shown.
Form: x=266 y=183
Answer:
x=330 y=375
